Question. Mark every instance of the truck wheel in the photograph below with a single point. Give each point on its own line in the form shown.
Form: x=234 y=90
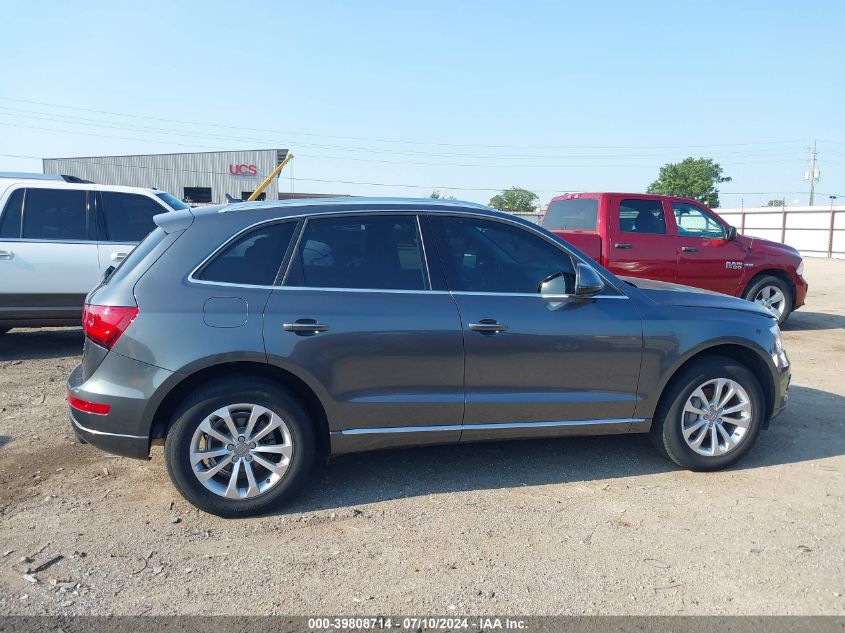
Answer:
x=772 y=293
x=710 y=414
x=239 y=447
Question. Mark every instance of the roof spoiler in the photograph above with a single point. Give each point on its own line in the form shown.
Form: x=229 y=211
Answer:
x=173 y=221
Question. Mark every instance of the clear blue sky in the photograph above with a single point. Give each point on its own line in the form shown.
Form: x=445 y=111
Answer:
x=549 y=96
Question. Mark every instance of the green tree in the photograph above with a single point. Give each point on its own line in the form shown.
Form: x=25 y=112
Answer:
x=515 y=200
x=439 y=195
x=777 y=202
x=694 y=178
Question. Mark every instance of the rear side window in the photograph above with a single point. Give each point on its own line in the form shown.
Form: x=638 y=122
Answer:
x=378 y=252
x=579 y=214
x=55 y=214
x=253 y=259
x=127 y=217
x=10 y=223
x=642 y=216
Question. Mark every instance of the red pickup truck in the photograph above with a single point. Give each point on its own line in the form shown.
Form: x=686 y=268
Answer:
x=679 y=241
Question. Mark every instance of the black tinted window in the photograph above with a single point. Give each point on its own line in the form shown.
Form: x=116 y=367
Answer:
x=575 y=213
x=489 y=256
x=642 y=216
x=253 y=259
x=127 y=217
x=10 y=223
x=197 y=194
x=378 y=251
x=55 y=214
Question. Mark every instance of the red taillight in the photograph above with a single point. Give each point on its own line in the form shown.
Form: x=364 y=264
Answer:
x=89 y=407
x=105 y=324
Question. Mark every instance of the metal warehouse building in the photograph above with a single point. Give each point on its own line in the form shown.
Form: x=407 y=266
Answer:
x=204 y=177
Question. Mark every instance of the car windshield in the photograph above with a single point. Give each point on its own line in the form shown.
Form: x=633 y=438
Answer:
x=573 y=213
x=171 y=201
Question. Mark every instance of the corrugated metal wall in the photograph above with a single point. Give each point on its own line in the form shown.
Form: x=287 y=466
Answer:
x=174 y=172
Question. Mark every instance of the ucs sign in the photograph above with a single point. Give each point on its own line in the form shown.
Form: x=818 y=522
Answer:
x=243 y=170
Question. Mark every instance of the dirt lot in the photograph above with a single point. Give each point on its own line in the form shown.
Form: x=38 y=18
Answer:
x=570 y=526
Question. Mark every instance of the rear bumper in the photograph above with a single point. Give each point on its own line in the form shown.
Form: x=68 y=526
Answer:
x=137 y=446
x=127 y=386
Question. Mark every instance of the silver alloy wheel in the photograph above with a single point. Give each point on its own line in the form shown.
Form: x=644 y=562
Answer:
x=716 y=417
x=241 y=451
x=772 y=298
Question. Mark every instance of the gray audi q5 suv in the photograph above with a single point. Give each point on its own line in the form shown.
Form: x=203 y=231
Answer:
x=255 y=336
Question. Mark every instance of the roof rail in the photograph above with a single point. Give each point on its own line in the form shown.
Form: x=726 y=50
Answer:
x=20 y=175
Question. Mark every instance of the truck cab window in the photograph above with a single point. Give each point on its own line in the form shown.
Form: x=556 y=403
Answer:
x=694 y=222
x=642 y=216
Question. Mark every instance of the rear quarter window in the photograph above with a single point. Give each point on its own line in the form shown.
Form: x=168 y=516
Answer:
x=253 y=259
x=578 y=214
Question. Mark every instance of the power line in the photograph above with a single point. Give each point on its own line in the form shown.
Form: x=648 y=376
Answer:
x=558 y=190
x=359 y=159
x=389 y=140
x=343 y=182
x=146 y=129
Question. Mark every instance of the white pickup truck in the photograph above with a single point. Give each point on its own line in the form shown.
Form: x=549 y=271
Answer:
x=58 y=235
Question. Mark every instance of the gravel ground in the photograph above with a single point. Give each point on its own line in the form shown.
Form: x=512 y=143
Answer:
x=569 y=526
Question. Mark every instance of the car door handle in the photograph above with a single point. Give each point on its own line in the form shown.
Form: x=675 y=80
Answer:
x=488 y=326
x=305 y=326
x=689 y=249
x=6 y=254
x=118 y=257
x=622 y=245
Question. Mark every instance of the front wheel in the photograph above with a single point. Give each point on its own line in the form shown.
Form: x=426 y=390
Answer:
x=240 y=447
x=774 y=294
x=710 y=415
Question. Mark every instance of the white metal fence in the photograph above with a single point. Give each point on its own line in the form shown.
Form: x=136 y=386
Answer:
x=815 y=231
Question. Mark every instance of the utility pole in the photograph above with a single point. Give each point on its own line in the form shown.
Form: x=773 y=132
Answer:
x=813 y=174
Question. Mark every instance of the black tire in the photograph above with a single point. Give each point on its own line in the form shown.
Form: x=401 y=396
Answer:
x=770 y=280
x=666 y=433
x=225 y=392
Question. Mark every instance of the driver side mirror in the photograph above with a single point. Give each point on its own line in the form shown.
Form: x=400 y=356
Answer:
x=587 y=281
x=731 y=234
x=554 y=285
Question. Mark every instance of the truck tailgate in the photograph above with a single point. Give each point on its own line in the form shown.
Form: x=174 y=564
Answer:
x=588 y=241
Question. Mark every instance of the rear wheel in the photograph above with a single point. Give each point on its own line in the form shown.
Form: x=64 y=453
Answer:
x=710 y=415
x=774 y=294
x=240 y=447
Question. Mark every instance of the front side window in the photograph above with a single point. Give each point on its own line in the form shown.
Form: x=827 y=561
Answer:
x=253 y=259
x=127 y=217
x=693 y=222
x=55 y=214
x=364 y=252
x=576 y=214
x=642 y=216
x=488 y=256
